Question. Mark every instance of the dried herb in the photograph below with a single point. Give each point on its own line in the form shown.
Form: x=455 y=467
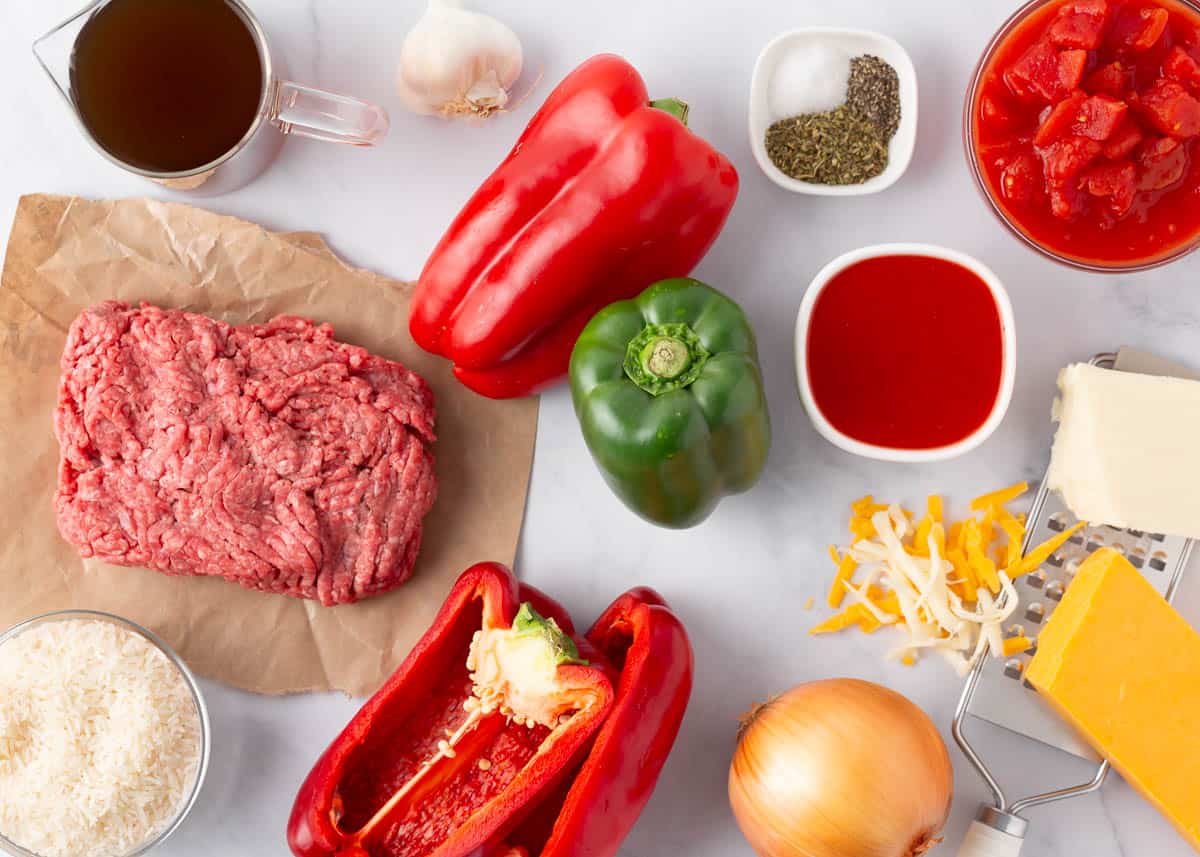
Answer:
x=874 y=93
x=838 y=147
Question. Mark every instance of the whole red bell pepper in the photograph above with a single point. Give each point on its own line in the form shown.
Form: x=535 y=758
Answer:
x=604 y=193
x=487 y=714
x=592 y=813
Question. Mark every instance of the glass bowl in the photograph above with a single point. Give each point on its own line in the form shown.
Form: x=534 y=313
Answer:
x=970 y=110
x=9 y=847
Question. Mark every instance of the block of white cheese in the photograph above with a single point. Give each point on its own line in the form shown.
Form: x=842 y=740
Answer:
x=1127 y=450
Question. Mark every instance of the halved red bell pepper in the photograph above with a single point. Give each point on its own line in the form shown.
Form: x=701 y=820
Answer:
x=487 y=714
x=593 y=813
x=604 y=193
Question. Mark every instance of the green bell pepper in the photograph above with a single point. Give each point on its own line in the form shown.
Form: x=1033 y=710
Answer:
x=670 y=398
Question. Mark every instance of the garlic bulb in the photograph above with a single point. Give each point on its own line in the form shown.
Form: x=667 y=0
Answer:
x=457 y=63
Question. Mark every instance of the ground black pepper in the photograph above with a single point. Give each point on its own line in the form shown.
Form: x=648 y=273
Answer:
x=874 y=93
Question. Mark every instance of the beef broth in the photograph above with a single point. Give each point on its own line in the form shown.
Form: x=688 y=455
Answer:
x=167 y=85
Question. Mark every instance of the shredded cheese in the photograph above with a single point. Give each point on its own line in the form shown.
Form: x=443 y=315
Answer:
x=99 y=739
x=997 y=499
x=1014 y=528
x=845 y=571
x=1042 y=552
x=946 y=585
x=1016 y=645
x=933 y=506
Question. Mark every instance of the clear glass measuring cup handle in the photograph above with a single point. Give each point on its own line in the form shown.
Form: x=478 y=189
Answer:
x=309 y=112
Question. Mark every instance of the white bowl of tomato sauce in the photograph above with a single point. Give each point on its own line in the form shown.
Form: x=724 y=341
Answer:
x=906 y=352
x=1082 y=129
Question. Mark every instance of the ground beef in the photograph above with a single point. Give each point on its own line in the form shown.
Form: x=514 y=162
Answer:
x=268 y=454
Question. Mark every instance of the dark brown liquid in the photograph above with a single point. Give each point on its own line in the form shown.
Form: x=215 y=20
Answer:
x=166 y=85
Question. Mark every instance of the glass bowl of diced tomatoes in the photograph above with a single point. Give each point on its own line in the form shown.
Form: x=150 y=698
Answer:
x=1082 y=128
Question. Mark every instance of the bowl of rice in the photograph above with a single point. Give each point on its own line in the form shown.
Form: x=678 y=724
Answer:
x=104 y=737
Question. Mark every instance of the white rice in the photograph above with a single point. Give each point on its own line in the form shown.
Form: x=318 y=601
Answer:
x=99 y=739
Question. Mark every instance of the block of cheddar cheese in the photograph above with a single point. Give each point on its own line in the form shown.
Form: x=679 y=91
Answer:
x=1122 y=666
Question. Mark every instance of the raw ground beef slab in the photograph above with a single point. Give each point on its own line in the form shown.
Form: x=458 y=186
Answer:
x=268 y=454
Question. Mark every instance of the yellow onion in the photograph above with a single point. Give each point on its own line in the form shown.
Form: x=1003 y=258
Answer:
x=840 y=768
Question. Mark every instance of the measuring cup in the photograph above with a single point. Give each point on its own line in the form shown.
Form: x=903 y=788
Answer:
x=284 y=108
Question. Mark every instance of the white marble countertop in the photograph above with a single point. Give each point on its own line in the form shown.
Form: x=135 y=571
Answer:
x=739 y=580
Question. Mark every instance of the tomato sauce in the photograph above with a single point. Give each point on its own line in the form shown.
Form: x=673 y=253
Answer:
x=1122 y=188
x=905 y=352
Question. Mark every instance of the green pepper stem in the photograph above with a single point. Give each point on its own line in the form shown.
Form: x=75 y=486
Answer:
x=529 y=623
x=674 y=106
x=664 y=357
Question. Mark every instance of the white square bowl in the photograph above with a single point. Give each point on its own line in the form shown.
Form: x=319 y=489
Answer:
x=1008 y=340
x=855 y=43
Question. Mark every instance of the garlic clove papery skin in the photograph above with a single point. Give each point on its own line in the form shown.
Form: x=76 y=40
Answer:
x=458 y=63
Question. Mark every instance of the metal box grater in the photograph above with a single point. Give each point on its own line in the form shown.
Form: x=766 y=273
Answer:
x=996 y=690
x=1002 y=696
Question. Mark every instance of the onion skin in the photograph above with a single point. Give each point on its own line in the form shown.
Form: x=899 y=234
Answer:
x=840 y=768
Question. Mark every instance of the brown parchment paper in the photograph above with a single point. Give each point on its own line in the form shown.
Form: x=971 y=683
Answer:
x=67 y=253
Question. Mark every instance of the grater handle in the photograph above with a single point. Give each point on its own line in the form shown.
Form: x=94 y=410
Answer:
x=983 y=840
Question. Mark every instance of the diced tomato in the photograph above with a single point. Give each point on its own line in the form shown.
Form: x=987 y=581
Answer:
x=1095 y=116
x=1059 y=119
x=1118 y=182
x=1122 y=200
x=1161 y=163
x=1067 y=158
x=1123 y=141
x=1045 y=73
x=1080 y=24
x=1071 y=65
x=1099 y=116
x=1036 y=64
x=1108 y=179
x=1094 y=8
x=1182 y=67
x=994 y=113
x=1170 y=108
x=1077 y=31
x=1112 y=79
x=1153 y=26
x=1067 y=201
x=1020 y=180
x=1138 y=28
